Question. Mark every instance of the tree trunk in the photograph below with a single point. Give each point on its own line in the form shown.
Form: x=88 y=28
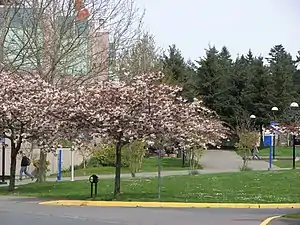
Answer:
x=41 y=177
x=84 y=165
x=84 y=162
x=132 y=163
x=117 y=188
x=13 y=165
x=140 y=162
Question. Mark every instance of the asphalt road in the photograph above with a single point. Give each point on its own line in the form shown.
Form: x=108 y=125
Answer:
x=27 y=211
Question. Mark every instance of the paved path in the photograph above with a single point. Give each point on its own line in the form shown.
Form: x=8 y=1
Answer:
x=229 y=161
x=16 y=210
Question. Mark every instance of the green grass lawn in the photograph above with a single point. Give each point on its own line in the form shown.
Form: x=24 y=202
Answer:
x=149 y=165
x=285 y=163
x=280 y=151
x=243 y=187
x=292 y=216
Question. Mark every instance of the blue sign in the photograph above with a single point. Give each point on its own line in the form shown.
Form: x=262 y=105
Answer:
x=267 y=140
x=272 y=123
x=2 y=140
x=59 y=161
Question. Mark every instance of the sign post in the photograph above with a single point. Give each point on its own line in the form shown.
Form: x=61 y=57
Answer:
x=270 y=156
x=273 y=144
x=296 y=142
x=2 y=141
x=59 y=162
x=72 y=163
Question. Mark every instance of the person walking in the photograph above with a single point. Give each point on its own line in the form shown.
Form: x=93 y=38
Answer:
x=255 y=152
x=25 y=162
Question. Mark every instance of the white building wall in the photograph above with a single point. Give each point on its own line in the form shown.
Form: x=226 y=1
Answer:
x=52 y=157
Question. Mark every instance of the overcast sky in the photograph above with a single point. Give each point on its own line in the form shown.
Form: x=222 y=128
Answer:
x=239 y=24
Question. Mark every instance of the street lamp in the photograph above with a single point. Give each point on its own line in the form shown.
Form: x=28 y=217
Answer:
x=252 y=117
x=294 y=106
x=274 y=110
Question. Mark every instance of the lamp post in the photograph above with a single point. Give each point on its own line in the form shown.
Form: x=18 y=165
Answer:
x=252 y=117
x=294 y=106
x=274 y=110
x=72 y=149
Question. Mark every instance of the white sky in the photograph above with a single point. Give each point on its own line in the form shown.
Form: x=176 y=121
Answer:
x=239 y=24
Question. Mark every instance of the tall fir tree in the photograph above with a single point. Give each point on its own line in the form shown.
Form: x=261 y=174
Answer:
x=296 y=79
x=237 y=83
x=207 y=79
x=177 y=71
x=257 y=96
x=282 y=71
x=174 y=66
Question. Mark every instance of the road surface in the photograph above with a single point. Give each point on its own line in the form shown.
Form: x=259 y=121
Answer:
x=16 y=210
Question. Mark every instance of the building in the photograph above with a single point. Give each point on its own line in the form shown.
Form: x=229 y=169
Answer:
x=65 y=46
x=34 y=154
x=34 y=43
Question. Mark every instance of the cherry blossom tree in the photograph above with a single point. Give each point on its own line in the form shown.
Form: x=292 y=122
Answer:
x=119 y=112
x=142 y=108
x=27 y=112
x=115 y=112
x=22 y=102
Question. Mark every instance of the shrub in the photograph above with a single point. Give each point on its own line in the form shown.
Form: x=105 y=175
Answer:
x=105 y=155
x=36 y=164
x=247 y=140
x=92 y=162
x=136 y=151
x=245 y=168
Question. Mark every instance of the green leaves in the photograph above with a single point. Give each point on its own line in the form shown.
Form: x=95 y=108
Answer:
x=237 y=88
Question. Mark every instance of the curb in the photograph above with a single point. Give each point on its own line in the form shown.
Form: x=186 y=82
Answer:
x=268 y=220
x=169 y=204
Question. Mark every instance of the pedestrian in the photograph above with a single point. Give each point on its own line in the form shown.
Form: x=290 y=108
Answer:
x=255 y=152
x=25 y=162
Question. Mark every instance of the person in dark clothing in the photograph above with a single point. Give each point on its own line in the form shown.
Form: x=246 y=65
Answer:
x=24 y=166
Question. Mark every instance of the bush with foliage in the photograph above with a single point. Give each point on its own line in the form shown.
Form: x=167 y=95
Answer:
x=105 y=155
x=36 y=164
x=195 y=153
x=136 y=151
x=247 y=141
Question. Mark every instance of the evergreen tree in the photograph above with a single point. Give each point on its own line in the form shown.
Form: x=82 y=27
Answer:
x=177 y=71
x=213 y=83
x=225 y=103
x=296 y=79
x=240 y=87
x=207 y=79
x=257 y=96
x=174 y=66
x=282 y=71
x=237 y=83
